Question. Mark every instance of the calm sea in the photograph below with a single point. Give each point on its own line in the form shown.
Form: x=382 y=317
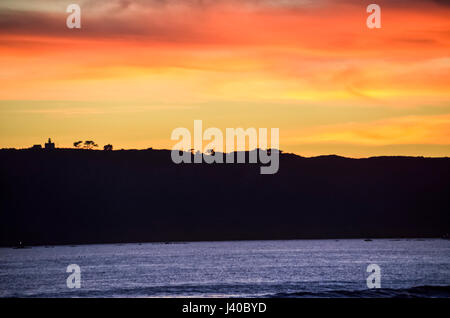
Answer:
x=298 y=268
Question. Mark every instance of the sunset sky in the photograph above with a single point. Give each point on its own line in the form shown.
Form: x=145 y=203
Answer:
x=138 y=69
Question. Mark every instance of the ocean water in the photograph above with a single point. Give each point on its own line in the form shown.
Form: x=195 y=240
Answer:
x=297 y=268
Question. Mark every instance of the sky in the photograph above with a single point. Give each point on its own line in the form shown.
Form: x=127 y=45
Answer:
x=136 y=70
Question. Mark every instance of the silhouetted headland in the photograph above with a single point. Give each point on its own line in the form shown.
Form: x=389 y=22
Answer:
x=68 y=196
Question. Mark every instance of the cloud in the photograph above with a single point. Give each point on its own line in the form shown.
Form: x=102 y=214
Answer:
x=404 y=130
x=213 y=21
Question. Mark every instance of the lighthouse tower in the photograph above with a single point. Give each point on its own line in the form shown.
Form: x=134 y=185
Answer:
x=49 y=145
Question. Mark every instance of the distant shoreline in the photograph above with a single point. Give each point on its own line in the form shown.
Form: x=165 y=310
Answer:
x=234 y=241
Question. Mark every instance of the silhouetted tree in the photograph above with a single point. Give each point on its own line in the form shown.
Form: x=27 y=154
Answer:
x=77 y=144
x=108 y=147
x=89 y=144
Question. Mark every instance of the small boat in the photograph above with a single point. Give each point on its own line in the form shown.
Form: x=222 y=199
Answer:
x=20 y=245
x=367 y=240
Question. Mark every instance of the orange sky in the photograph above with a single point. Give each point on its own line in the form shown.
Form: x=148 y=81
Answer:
x=138 y=69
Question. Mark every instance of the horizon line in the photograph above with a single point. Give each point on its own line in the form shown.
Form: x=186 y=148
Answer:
x=237 y=151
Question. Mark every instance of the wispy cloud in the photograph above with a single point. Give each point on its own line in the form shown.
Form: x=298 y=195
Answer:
x=401 y=130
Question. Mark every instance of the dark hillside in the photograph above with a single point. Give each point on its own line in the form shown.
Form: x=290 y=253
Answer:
x=80 y=196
